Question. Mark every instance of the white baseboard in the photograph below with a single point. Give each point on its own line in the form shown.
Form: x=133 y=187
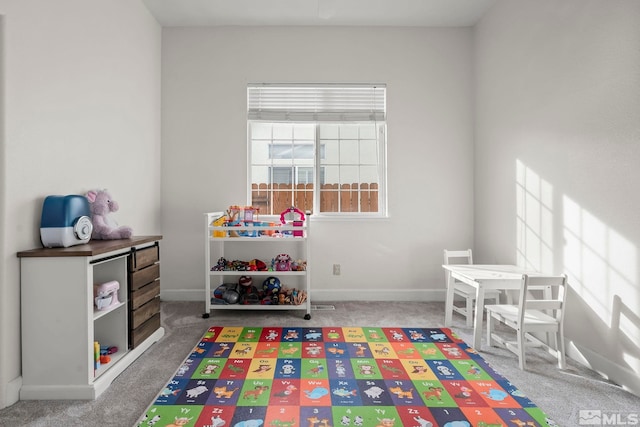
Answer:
x=422 y=295
x=624 y=377
x=330 y=295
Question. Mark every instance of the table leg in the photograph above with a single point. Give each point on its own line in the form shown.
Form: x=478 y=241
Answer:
x=448 y=303
x=477 y=326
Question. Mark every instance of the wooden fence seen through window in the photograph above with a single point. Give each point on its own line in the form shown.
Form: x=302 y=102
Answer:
x=272 y=199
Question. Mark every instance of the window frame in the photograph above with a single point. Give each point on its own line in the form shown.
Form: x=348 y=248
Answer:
x=381 y=143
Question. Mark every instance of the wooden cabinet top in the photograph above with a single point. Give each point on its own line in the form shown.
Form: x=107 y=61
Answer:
x=93 y=248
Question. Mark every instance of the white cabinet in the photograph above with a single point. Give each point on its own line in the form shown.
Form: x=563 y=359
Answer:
x=60 y=321
x=262 y=242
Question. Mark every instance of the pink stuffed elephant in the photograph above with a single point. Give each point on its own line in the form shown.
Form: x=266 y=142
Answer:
x=105 y=228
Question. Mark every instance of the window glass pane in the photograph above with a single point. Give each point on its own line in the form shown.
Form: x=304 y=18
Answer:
x=349 y=131
x=330 y=190
x=303 y=151
x=331 y=174
x=305 y=175
x=281 y=150
x=260 y=152
x=261 y=195
x=282 y=175
x=349 y=174
x=331 y=152
x=328 y=131
x=368 y=131
x=369 y=174
x=261 y=130
x=260 y=174
x=282 y=131
x=349 y=152
x=304 y=132
x=282 y=197
x=368 y=193
x=369 y=152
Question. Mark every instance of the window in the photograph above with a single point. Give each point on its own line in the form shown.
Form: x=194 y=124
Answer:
x=318 y=148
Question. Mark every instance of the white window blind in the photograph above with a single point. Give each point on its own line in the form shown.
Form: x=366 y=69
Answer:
x=303 y=103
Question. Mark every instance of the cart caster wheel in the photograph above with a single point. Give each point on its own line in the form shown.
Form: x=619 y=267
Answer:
x=205 y=316
x=307 y=316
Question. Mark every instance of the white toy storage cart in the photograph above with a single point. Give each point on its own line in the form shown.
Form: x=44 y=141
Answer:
x=255 y=240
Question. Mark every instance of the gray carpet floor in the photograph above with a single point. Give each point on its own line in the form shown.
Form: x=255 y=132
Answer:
x=561 y=394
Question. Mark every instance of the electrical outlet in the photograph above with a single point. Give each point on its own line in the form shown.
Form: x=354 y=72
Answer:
x=336 y=269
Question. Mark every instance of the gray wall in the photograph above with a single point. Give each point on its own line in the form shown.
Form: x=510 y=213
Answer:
x=81 y=110
x=557 y=153
x=428 y=73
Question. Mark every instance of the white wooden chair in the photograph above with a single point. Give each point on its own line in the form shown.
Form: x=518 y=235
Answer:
x=533 y=316
x=468 y=293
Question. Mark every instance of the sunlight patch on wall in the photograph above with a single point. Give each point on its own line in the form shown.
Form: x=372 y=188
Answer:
x=625 y=324
x=603 y=270
x=534 y=220
x=601 y=263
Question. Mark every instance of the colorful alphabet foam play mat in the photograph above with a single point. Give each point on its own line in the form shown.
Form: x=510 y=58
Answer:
x=338 y=377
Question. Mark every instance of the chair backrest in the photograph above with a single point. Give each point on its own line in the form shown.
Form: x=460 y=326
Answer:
x=553 y=299
x=458 y=257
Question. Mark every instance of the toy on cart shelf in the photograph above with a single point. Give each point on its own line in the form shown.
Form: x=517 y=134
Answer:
x=282 y=263
x=232 y=293
x=245 y=281
x=227 y=293
x=257 y=265
x=219 y=291
x=272 y=292
x=250 y=295
x=237 y=217
x=250 y=214
x=247 y=216
x=292 y=296
x=290 y=213
x=237 y=265
x=232 y=220
x=271 y=285
x=299 y=265
x=219 y=222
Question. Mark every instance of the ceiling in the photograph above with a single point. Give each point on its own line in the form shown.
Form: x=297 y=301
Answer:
x=412 y=13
